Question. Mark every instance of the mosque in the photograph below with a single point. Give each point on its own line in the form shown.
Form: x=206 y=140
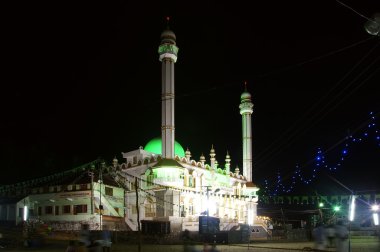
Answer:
x=156 y=183
x=174 y=187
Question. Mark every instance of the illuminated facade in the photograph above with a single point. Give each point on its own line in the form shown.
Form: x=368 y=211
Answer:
x=174 y=187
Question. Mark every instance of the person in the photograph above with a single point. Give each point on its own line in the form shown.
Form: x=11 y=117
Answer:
x=71 y=246
x=207 y=248
x=106 y=237
x=319 y=234
x=84 y=235
x=341 y=234
x=95 y=246
x=213 y=248
x=330 y=231
x=270 y=231
x=188 y=245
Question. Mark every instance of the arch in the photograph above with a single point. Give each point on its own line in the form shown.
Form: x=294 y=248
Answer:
x=129 y=165
x=177 y=158
x=199 y=164
x=207 y=167
x=185 y=177
x=139 y=162
x=152 y=159
x=146 y=160
x=295 y=200
x=305 y=200
x=193 y=162
x=183 y=160
x=194 y=173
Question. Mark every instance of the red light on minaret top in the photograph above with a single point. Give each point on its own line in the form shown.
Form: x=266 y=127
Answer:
x=245 y=85
x=168 y=18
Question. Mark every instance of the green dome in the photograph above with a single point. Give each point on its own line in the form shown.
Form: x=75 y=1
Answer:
x=155 y=146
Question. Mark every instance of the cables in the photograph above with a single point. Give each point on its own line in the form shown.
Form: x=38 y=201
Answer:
x=348 y=7
x=302 y=125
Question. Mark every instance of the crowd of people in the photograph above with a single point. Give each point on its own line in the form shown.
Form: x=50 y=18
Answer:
x=88 y=242
x=331 y=235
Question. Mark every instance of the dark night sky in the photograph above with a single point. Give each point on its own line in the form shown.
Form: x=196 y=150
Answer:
x=81 y=80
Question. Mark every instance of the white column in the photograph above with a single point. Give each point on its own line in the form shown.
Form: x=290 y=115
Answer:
x=246 y=109
x=167 y=123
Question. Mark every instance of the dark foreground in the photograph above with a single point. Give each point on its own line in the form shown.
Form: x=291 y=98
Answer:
x=370 y=244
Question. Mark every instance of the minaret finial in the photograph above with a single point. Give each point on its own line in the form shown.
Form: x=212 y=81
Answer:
x=167 y=22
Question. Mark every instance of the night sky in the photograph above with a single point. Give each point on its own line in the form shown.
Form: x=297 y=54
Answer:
x=82 y=80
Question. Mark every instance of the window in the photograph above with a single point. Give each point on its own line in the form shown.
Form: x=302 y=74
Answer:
x=134 y=210
x=20 y=212
x=182 y=210
x=80 y=209
x=191 y=212
x=150 y=179
x=109 y=191
x=83 y=186
x=56 y=210
x=135 y=160
x=149 y=210
x=66 y=209
x=190 y=181
x=48 y=210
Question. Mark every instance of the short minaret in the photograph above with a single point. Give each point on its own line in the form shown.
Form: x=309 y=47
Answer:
x=168 y=56
x=188 y=155
x=228 y=163
x=237 y=171
x=202 y=159
x=212 y=157
x=246 y=109
x=115 y=162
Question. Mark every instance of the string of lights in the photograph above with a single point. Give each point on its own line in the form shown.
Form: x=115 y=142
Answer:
x=367 y=133
x=21 y=186
x=325 y=105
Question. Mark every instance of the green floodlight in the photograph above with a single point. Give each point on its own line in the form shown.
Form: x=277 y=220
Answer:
x=321 y=204
x=336 y=208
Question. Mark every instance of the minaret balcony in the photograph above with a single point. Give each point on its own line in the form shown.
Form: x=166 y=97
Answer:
x=168 y=51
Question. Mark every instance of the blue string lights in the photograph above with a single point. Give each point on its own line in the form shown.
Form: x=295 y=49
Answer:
x=307 y=176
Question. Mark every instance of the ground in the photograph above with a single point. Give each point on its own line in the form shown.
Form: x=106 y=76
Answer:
x=369 y=244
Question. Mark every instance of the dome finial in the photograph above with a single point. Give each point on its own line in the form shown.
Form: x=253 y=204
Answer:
x=245 y=96
x=168 y=36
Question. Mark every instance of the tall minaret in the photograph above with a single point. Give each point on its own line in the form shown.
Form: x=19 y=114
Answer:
x=246 y=109
x=168 y=56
